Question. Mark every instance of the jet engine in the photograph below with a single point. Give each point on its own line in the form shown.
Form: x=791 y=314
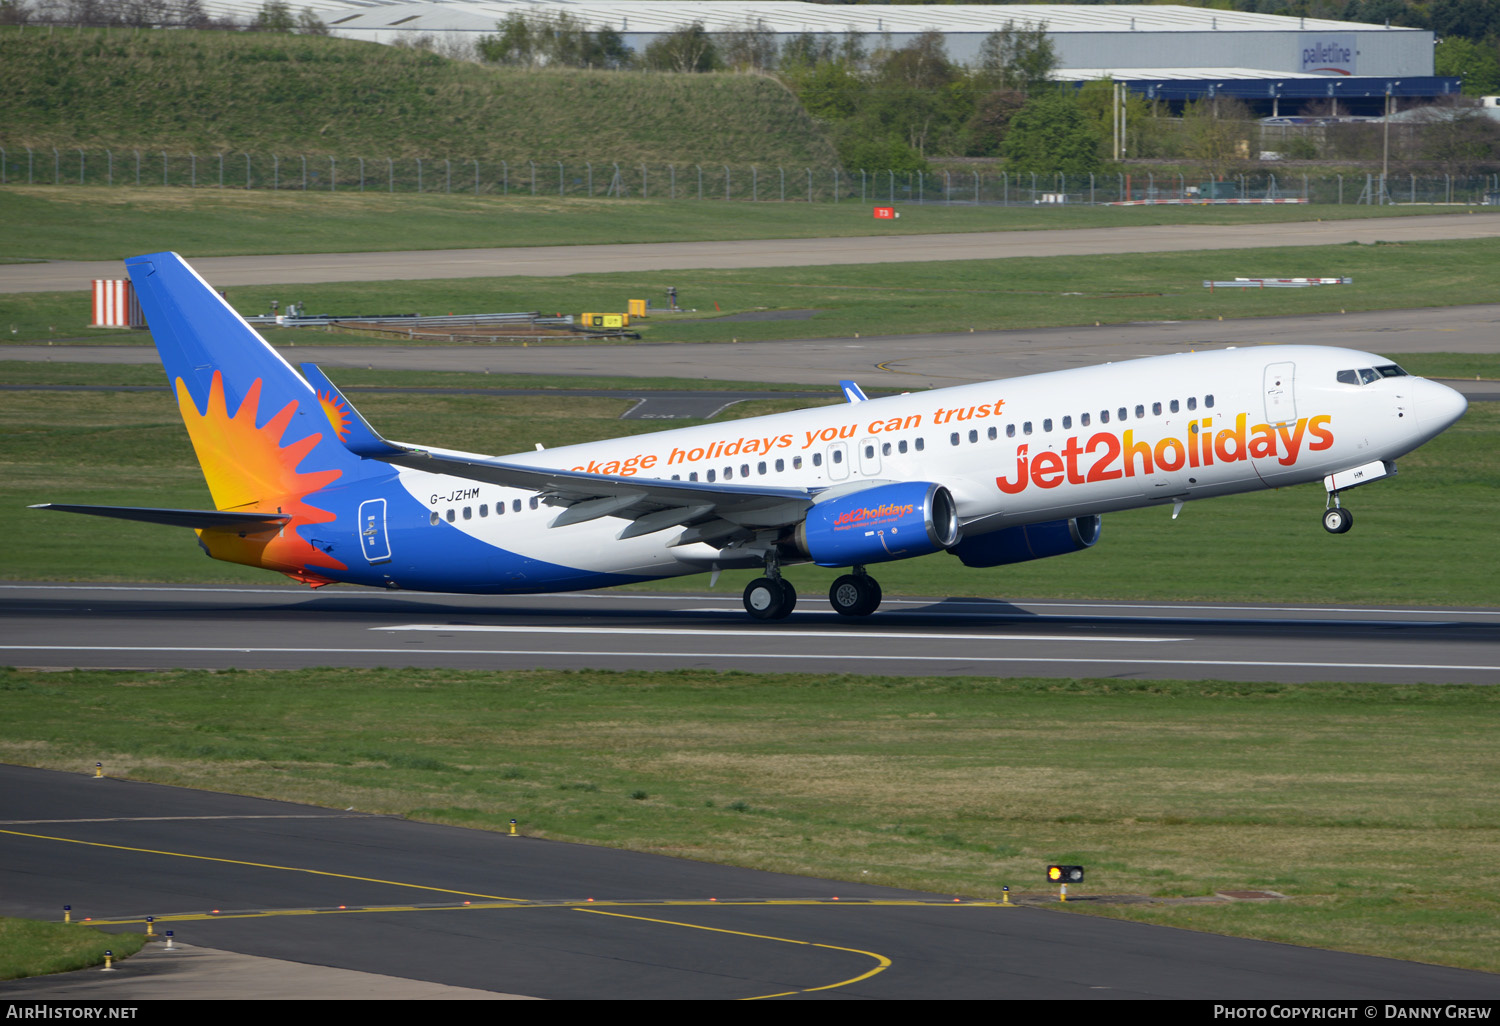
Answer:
x=1029 y=541
x=877 y=524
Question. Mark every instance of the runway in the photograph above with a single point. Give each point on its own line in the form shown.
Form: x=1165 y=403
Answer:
x=153 y=626
x=555 y=261
x=517 y=915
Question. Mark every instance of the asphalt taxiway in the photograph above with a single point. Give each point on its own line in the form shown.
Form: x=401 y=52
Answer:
x=153 y=626
x=517 y=915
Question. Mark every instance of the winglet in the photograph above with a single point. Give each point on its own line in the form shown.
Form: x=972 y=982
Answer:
x=348 y=423
x=852 y=392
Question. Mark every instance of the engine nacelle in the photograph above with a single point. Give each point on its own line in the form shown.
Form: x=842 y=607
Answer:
x=878 y=524
x=1029 y=541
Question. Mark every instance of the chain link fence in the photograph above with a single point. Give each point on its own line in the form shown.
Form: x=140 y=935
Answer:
x=754 y=183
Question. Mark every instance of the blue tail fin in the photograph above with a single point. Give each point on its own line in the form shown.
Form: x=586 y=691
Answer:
x=265 y=440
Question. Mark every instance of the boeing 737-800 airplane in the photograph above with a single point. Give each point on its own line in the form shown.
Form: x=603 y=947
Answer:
x=993 y=473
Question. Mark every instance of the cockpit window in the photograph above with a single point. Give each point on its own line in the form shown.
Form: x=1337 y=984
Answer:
x=1367 y=375
x=1390 y=370
x=1348 y=377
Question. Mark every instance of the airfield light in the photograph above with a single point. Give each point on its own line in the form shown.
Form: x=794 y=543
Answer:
x=1065 y=874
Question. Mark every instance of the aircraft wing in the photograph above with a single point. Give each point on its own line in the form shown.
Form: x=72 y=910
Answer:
x=195 y=518
x=653 y=503
x=711 y=511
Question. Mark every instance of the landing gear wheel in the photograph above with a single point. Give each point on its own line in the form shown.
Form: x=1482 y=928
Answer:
x=855 y=595
x=1337 y=520
x=769 y=599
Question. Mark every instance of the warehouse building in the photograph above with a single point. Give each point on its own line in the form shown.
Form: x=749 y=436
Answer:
x=1167 y=53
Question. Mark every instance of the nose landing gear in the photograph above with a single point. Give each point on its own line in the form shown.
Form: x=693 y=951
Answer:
x=1337 y=519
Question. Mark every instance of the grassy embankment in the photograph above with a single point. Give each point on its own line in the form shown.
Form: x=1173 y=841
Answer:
x=235 y=92
x=884 y=298
x=131 y=449
x=1370 y=806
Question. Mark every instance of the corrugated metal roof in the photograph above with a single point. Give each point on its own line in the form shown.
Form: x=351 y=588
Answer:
x=789 y=16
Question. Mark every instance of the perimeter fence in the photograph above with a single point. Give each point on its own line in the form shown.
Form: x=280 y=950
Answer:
x=755 y=183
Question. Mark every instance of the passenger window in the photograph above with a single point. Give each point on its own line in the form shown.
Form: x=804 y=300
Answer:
x=921 y=444
x=468 y=512
x=796 y=462
x=1156 y=409
x=729 y=473
x=745 y=469
x=885 y=449
x=499 y=509
x=973 y=436
x=484 y=510
x=1026 y=428
x=435 y=518
x=534 y=502
x=1067 y=423
x=1010 y=431
x=993 y=433
x=817 y=459
x=516 y=505
x=1047 y=424
x=1083 y=420
x=693 y=476
x=1192 y=402
x=780 y=466
x=1124 y=413
x=1104 y=416
x=870 y=451
x=1208 y=402
x=711 y=476
x=760 y=468
x=451 y=516
x=901 y=445
x=838 y=455
x=953 y=438
x=1173 y=406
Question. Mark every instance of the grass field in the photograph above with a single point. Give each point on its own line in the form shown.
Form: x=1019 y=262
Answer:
x=1372 y=807
x=98 y=223
x=887 y=299
x=131 y=449
x=30 y=948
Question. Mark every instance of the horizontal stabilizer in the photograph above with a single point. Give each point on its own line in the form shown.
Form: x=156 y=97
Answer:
x=195 y=518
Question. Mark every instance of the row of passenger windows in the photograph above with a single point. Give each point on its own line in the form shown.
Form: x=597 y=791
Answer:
x=484 y=511
x=763 y=467
x=1121 y=414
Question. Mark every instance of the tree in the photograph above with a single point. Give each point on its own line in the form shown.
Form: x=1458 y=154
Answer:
x=688 y=49
x=1052 y=133
x=750 y=48
x=1460 y=138
x=1017 y=57
x=274 y=16
x=309 y=24
x=1220 y=132
x=1473 y=62
x=992 y=117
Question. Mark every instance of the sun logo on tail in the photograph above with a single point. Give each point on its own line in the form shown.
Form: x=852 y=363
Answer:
x=248 y=468
x=336 y=412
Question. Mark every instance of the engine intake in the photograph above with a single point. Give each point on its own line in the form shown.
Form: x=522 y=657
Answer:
x=1029 y=541
x=878 y=524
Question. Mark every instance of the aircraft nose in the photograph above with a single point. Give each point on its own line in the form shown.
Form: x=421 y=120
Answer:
x=1438 y=406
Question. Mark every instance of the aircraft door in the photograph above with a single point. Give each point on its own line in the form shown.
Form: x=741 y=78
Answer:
x=1281 y=398
x=373 y=540
x=869 y=457
x=838 y=461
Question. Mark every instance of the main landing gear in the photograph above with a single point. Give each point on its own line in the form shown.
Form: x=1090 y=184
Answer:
x=772 y=597
x=1337 y=519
